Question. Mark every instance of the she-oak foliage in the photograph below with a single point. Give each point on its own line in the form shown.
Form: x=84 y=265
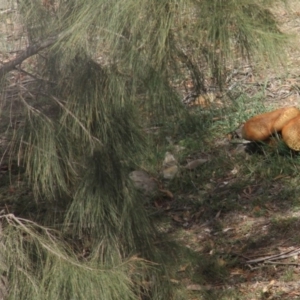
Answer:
x=112 y=66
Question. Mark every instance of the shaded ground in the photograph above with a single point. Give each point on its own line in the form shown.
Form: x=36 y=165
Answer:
x=239 y=207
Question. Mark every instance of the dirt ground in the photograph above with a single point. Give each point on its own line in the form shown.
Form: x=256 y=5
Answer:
x=258 y=245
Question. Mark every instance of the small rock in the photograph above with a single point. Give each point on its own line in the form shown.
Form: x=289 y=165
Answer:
x=169 y=160
x=143 y=182
x=170 y=172
x=170 y=167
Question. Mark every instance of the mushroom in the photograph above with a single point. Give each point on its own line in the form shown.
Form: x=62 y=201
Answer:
x=291 y=133
x=285 y=120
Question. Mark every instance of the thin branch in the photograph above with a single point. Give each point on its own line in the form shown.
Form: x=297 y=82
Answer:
x=9 y=10
x=281 y=263
x=29 y=51
x=282 y=255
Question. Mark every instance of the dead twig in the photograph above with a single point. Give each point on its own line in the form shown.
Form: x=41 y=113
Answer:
x=281 y=263
x=272 y=258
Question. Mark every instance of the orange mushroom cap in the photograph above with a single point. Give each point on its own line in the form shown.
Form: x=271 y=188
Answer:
x=291 y=134
x=261 y=127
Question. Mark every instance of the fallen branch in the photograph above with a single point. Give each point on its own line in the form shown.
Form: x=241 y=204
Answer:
x=277 y=263
x=272 y=258
x=29 y=51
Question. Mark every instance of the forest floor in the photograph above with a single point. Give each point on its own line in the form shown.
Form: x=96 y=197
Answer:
x=239 y=212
